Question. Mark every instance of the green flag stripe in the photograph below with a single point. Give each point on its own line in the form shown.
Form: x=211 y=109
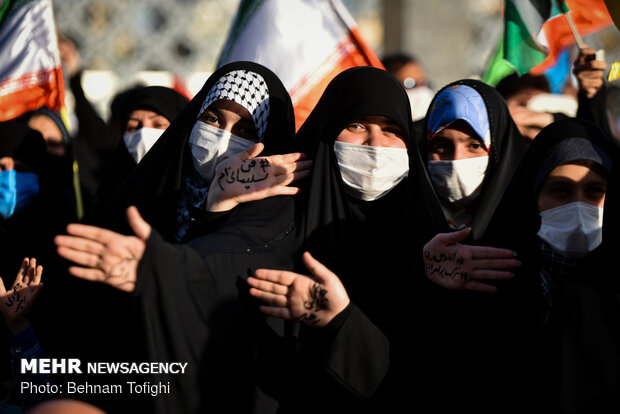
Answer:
x=520 y=48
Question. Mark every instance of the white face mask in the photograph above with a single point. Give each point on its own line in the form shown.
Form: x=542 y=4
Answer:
x=573 y=229
x=371 y=172
x=211 y=145
x=458 y=180
x=139 y=142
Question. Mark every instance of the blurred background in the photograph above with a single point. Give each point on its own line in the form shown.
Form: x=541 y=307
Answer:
x=122 y=42
x=126 y=41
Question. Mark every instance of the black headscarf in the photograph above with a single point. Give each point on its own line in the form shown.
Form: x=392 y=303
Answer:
x=162 y=100
x=507 y=148
x=574 y=360
x=159 y=99
x=333 y=222
x=154 y=186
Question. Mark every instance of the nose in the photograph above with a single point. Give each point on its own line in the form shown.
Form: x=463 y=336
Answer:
x=374 y=136
x=459 y=152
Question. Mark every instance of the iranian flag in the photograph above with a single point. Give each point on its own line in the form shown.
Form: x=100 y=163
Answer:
x=30 y=68
x=305 y=42
x=537 y=32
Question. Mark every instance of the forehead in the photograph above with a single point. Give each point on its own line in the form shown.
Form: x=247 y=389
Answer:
x=143 y=114
x=44 y=124
x=230 y=106
x=459 y=131
x=574 y=172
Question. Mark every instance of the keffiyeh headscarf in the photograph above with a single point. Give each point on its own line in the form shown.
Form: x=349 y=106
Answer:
x=246 y=88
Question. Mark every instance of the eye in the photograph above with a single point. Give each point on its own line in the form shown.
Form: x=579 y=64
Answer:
x=437 y=146
x=394 y=130
x=476 y=146
x=210 y=119
x=356 y=126
x=559 y=189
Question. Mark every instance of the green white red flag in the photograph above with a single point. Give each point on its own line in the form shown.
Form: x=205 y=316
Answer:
x=30 y=68
x=305 y=42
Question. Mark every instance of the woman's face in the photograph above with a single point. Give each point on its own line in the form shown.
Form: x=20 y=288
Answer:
x=143 y=118
x=375 y=131
x=569 y=183
x=232 y=117
x=455 y=142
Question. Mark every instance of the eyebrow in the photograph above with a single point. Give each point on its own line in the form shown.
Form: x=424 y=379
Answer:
x=149 y=117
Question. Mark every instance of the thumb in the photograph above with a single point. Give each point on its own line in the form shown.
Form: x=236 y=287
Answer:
x=455 y=237
x=252 y=151
x=317 y=269
x=138 y=225
x=2 y=288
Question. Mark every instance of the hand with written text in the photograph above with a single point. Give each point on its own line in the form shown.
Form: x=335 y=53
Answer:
x=589 y=71
x=106 y=256
x=244 y=177
x=313 y=300
x=15 y=304
x=459 y=266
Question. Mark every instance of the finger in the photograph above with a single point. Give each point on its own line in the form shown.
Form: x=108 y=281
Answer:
x=29 y=276
x=267 y=286
x=480 y=287
x=286 y=158
x=282 y=277
x=2 y=288
x=277 y=312
x=252 y=151
x=491 y=275
x=486 y=252
x=318 y=269
x=37 y=275
x=90 y=232
x=94 y=275
x=273 y=299
x=453 y=237
x=495 y=263
x=291 y=167
x=78 y=257
x=21 y=273
x=138 y=225
x=79 y=244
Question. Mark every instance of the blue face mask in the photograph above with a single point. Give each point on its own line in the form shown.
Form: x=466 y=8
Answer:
x=17 y=189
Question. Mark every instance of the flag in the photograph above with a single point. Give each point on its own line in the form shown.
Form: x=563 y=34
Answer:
x=306 y=43
x=524 y=40
x=498 y=68
x=30 y=68
x=589 y=16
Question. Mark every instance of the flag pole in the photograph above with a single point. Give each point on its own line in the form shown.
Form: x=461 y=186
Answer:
x=573 y=28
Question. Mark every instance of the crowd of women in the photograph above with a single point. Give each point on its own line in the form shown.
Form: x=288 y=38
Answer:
x=365 y=262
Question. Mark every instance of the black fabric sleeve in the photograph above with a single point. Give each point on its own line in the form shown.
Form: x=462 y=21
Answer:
x=174 y=302
x=594 y=109
x=353 y=350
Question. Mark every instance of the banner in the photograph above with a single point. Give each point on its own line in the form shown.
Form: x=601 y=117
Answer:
x=30 y=68
x=305 y=42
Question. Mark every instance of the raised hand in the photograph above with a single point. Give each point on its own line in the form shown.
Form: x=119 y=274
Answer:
x=244 y=177
x=15 y=304
x=103 y=255
x=313 y=300
x=589 y=71
x=458 y=266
